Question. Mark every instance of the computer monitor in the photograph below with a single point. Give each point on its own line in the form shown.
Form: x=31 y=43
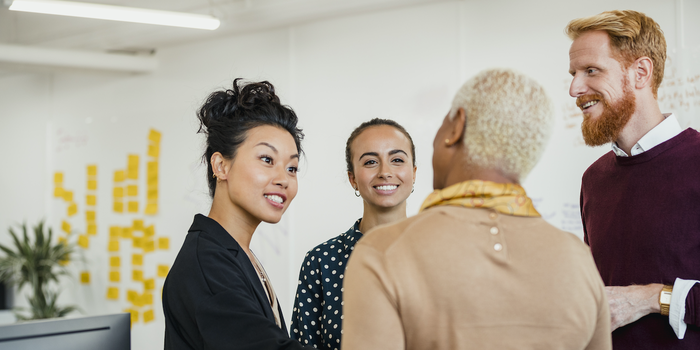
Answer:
x=107 y=332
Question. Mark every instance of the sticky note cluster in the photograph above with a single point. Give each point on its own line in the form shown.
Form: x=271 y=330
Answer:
x=59 y=191
x=90 y=209
x=152 y=173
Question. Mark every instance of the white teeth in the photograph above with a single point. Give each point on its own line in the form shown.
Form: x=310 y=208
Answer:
x=589 y=104
x=275 y=198
x=387 y=187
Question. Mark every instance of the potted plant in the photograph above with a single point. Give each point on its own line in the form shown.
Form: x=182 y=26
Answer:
x=36 y=264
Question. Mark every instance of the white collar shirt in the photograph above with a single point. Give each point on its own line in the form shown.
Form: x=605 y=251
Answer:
x=661 y=133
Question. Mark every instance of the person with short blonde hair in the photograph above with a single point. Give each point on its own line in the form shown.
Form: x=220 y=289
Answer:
x=639 y=202
x=478 y=267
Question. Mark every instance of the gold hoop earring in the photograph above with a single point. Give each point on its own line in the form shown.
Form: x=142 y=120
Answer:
x=447 y=142
x=213 y=176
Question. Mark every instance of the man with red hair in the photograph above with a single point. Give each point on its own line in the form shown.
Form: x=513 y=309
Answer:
x=640 y=203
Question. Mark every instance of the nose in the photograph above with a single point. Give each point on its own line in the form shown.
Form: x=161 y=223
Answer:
x=578 y=87
x=384 y=171
x=281 y=178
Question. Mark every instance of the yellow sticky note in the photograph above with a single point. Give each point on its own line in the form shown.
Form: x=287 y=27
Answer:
x=113 y=245
x=118 y=207
x=132 y=168
x=91 y=200
x=58 y=192
x=72 y=209
x=137 y=242
x=68 y=196
x=153 y=151
x=131 y=295
x=147 y=298
x=92 y=229
x=114 y=276
x=136 y=259
x=83 y=241
x=152 y=168
x=149 y=231
x=85 y=277
x=151 y=209
x=92 y=170
x=90 y=215
x=65 y=261
x=57 y=178
x=137 y=275
x=133 y=207
x=163 y=270
x=115 y=261
x=149 y=284
x=127 y=232
x=148 y=316
x=154 y=135
x=152 y=192
x=118 y=192
x=149 y=245
x=113 y=293
x=132 y=190
x=137 y=225
x=65 y=226
x=119 y=176
x=134 y=315
x=115 y=232
x=92 y=185
x=163 y=243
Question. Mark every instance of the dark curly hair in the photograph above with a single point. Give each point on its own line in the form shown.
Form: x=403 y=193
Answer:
x=375 y=122
x=228 y=115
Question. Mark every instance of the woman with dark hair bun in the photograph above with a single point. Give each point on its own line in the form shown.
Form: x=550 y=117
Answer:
x=217 y=294
x=381 y=165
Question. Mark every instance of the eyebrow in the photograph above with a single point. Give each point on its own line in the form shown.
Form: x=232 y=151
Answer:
x=275 y=149
x=391 y=153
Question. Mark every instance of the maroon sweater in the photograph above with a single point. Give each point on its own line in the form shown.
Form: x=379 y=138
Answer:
x=641 y=218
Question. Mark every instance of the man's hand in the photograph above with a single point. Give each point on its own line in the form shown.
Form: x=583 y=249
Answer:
x=628 y=304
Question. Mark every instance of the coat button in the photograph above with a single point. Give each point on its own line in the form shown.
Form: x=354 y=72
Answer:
x=498 y=247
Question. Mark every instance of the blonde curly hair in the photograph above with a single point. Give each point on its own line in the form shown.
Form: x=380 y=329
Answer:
x=509 y=120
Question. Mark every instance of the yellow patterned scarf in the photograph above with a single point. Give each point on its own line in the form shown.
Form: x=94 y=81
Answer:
x=508 y=199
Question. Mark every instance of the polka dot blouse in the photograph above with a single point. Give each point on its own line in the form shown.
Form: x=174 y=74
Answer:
x=318 y=307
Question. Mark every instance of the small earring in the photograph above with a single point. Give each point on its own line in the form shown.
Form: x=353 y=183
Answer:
x=213 y=176
x=447 y=142
x=414 y=188
x=357 y=193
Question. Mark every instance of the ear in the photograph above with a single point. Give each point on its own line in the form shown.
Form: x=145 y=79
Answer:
x=219 y=165
x=351 y=178
x=643 y=72
x=414 y=174
x=456 y=126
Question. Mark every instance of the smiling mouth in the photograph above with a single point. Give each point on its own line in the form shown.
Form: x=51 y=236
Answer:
x=589 y=104
x=386 y=187
x=275 y=198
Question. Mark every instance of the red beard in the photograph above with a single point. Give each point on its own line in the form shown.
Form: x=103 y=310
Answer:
x=608 y=126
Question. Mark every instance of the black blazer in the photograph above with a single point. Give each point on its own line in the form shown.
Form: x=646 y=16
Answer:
x=213 y=298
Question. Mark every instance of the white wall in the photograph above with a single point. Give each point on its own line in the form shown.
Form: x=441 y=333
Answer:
x=402 y=64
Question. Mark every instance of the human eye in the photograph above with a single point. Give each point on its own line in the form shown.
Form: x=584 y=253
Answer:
x=370 y=162
x=398 y=160
x=292 y=170
x=591 y=70
x=266 y=159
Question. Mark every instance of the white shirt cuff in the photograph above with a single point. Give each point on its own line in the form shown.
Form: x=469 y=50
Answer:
x=676 y=313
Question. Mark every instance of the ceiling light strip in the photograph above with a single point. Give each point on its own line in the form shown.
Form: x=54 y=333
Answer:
x=116 y=13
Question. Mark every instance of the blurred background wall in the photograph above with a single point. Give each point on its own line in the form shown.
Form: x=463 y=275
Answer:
x=335 y=64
